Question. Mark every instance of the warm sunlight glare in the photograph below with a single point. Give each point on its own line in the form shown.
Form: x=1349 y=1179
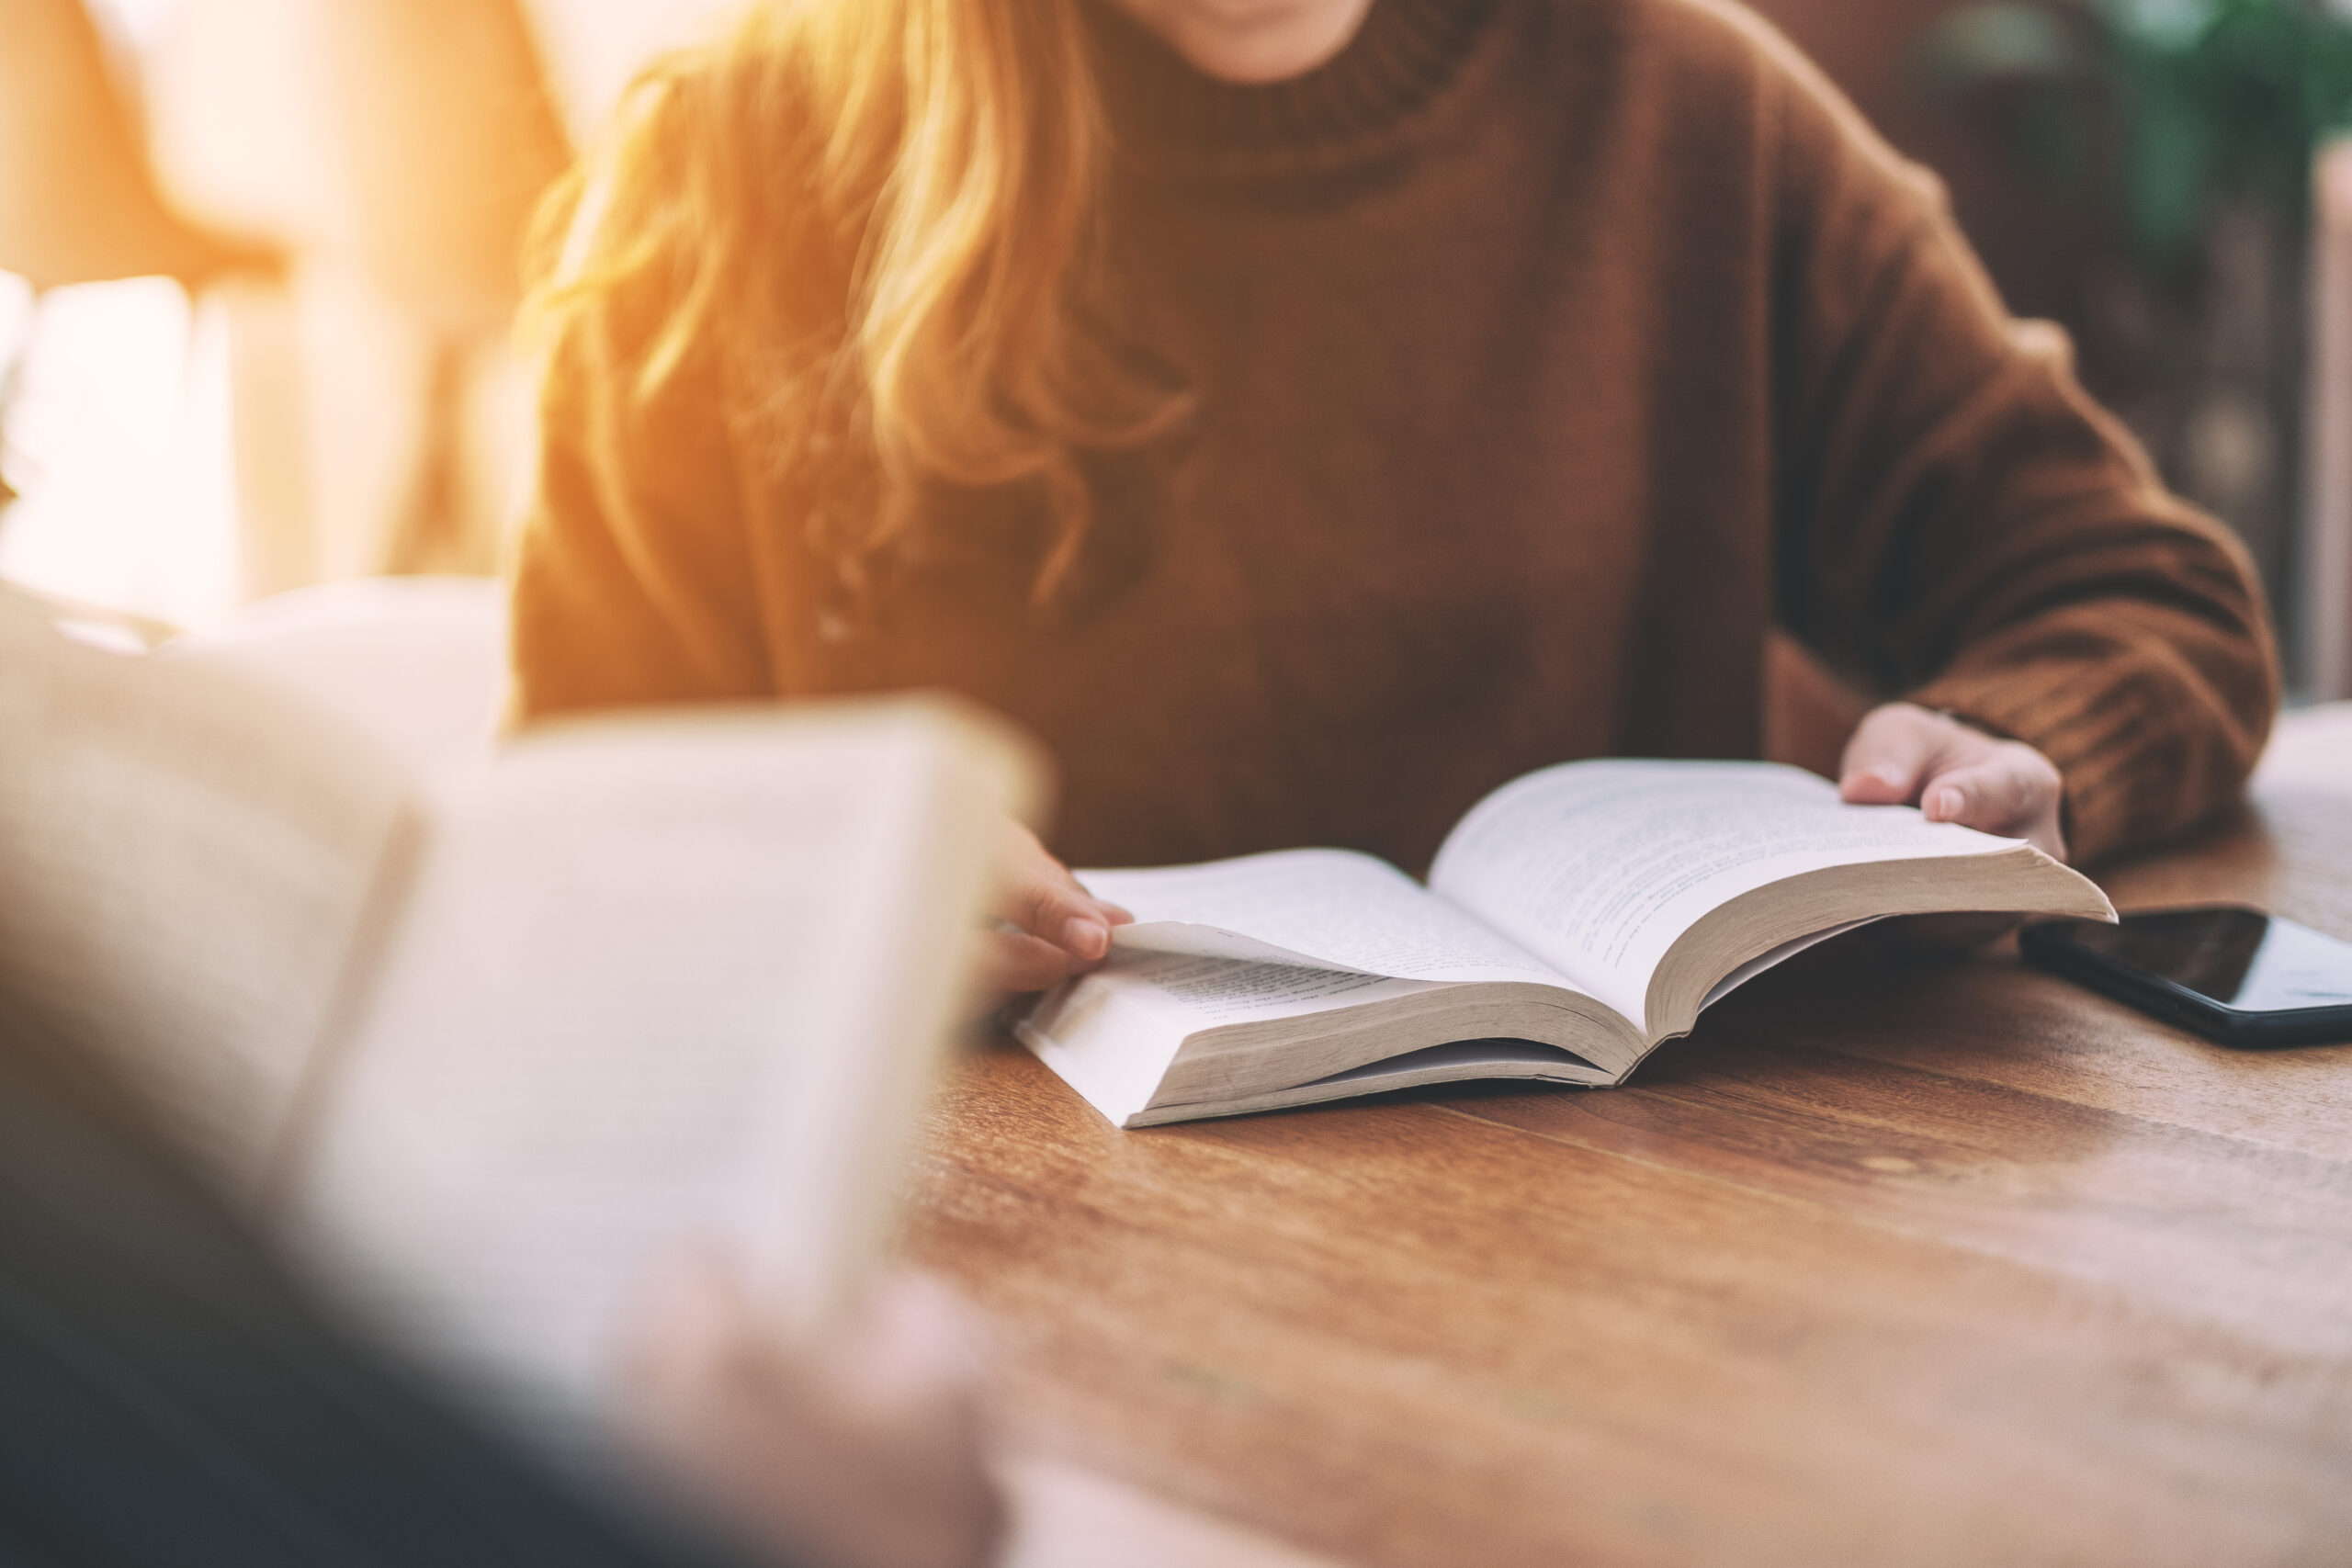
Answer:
x=119 y=444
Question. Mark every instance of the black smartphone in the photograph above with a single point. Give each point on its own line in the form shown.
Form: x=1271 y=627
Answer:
x=2232 y=975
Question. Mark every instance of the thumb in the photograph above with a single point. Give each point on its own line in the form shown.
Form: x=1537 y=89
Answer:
x=1037 y=894
x=918 y=1340
x=1891 y=756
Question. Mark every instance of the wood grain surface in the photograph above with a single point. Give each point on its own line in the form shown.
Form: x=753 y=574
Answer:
x=1895 y=1261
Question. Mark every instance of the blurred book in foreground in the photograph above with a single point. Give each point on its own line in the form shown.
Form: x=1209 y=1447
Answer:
x=493 y=1046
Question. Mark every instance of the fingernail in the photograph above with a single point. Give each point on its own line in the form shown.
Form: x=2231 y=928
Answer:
x=1088 y=938
x=1949 y=803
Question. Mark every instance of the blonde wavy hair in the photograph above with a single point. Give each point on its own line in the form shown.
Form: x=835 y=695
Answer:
x=878 y=220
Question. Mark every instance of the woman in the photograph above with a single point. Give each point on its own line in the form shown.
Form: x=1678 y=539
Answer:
x=1307 y=414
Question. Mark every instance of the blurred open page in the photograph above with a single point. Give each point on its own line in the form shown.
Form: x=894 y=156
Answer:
x=664 y=986
x=188 y=862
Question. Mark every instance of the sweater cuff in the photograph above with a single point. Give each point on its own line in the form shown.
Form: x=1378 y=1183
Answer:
x=2140 y=763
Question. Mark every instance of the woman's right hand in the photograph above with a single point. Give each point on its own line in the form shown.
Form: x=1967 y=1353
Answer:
x=1048 y=927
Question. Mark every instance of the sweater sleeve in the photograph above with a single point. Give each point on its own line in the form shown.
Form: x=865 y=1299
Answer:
x=632 y=581
x=1961 y=524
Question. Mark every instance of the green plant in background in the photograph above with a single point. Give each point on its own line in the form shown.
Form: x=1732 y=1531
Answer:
x=2173 y=104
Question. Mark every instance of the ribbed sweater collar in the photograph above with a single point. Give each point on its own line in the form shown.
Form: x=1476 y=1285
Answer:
x=1169 y=115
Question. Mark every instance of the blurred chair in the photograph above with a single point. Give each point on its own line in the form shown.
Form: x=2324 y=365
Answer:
x=395 y=148
x=393 y=152
x=78 y=202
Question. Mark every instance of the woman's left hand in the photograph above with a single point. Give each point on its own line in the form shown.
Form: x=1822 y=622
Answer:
x=1903 y=754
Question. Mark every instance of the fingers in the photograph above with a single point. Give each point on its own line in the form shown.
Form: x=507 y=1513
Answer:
x=920 y=1339
x=691 y=1320
x=861 y=1447
x=2011 y=790
x=1895 y=751
x=1903 y=754
x=1013 y=961
x=697 y=1331
x=1998 y=794
x=1058 y=928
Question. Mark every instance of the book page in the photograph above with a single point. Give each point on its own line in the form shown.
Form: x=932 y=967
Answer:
x=1112 y=1033
x=1775 y=958
x=1320 y=908
x=669 y=987
x=1461 y=1059
x=1200 y=992
x=1598 y=866
x=188 y=865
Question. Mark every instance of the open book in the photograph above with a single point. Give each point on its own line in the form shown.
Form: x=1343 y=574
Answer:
x=1573 y=920
x=494 y=1047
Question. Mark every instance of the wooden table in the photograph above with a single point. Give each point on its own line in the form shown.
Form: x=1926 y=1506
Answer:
x=1890 y=1262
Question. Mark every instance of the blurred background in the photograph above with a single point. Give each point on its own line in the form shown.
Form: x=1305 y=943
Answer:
x=257 y=271
x=257 y=264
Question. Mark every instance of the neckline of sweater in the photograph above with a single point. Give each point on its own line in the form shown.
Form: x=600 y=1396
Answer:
x=1169 y=116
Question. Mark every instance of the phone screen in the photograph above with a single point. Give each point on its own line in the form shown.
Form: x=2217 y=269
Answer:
x=2241 y=959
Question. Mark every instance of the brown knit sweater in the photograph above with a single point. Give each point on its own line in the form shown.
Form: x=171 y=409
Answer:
x=1548 y=352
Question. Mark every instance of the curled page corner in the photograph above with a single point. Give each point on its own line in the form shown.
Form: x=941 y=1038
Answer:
x=1215 y=941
